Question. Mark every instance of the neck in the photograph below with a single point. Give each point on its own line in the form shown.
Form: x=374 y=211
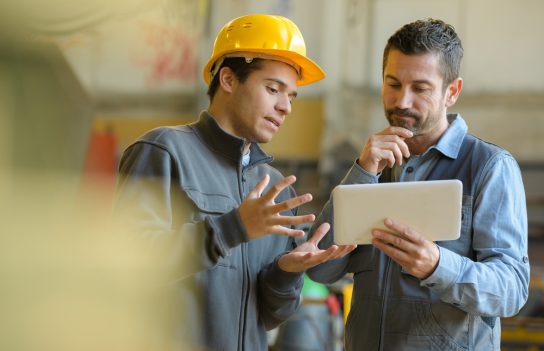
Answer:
x=419 y=144
x=222 y=119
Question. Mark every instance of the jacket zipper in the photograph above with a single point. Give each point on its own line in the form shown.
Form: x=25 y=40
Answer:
x=246 y=278
x=245 y=265
x=385 y=295
x=245 y=297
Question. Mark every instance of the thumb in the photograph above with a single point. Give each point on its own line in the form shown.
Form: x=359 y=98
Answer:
x=320 y=233
x=259 y=188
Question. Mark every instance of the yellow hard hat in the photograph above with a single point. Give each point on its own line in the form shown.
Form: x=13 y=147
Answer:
x=263 y=36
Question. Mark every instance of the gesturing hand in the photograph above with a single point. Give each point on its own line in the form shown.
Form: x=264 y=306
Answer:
x=260 y=215
x=308 y=254
x=385 y=148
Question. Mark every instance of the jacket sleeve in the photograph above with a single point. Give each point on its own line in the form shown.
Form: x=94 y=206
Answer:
x=149 y=201
x=331 y=271
x=279 y=294
x=496 y=283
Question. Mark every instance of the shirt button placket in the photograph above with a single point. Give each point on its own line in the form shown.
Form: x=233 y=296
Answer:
x=409 y=173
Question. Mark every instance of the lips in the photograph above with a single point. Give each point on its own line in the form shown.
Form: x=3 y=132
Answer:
x=275 y=122
x=403 y=113
x=403 y=116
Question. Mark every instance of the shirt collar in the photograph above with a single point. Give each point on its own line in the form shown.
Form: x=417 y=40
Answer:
x=452 y=139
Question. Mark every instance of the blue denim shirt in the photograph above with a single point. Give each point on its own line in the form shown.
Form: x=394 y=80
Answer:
x=457 y=279
x=465 y=295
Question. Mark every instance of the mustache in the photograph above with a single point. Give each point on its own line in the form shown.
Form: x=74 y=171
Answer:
x=403 y=112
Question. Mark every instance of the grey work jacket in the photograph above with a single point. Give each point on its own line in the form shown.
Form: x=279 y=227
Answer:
x=179 y=188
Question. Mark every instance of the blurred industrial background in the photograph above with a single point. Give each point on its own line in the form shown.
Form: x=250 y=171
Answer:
x=80 y=80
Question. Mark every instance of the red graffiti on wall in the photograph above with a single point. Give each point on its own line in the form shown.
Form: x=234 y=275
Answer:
x=170 y=54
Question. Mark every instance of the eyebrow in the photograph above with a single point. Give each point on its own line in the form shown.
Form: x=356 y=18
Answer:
x=282 y=83
x=419 y=81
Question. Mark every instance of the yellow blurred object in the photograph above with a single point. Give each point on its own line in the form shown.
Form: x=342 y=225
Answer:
x=347 y=291
x=71 y=280
x=263 y=36
x=522 y=333
x=525 y=331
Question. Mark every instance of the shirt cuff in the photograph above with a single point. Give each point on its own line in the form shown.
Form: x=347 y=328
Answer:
x=357 y=175
x=446 y=273
x=281 y=280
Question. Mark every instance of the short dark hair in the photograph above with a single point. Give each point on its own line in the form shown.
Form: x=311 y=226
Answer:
x=425 y=36
x=241 y=70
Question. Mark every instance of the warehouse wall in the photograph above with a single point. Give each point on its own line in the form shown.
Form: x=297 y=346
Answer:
x=503 y=77
x=132 y=65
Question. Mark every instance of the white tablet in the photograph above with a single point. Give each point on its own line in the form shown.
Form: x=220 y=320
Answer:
x=433 y=208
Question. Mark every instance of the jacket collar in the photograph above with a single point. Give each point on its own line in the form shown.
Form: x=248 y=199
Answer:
x=224 y=143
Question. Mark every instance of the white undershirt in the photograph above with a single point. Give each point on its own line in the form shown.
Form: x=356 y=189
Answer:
x=246 y=158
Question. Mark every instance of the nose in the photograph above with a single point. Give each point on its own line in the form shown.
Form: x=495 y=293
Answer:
x=404 y=99
x=283 y=104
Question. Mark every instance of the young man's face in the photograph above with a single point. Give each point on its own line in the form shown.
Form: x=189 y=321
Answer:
x=412 y=91
x=258 y=106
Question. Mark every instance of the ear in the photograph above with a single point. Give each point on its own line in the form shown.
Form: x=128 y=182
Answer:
x=227 y=79
x=453 y=90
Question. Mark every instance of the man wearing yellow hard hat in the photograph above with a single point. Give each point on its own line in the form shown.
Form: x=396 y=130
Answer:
x=222 y=216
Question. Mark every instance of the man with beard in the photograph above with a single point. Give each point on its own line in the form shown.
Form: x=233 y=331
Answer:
x=411 y=293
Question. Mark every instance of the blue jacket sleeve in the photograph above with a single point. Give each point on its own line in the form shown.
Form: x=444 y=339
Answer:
x=495 y=283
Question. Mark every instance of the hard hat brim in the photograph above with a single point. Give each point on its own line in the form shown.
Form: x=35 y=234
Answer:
x=310 y=71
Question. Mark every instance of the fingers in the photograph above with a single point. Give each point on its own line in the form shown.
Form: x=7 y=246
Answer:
x=392 y=143
x=344 y=250
x=403 y=238
x=404 y=230
x=259 y=188
x=399 y=146
x=399 y=131
x=388 y=242
x=388 y=152
x=396 y=135
x=396 y=253
x=280 y=230
x=311 y=259
x=416 y=254
x=290 y=203
x=260 y=215
x=331 y=253
x=383 y=150
x=291 y=220
x=278 y=187
x=302 y=259
x=324 y=255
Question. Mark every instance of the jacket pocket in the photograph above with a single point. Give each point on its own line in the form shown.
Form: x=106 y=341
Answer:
x=466 y=215
x=446 y=326
x=463 y=245
x=210 y=203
